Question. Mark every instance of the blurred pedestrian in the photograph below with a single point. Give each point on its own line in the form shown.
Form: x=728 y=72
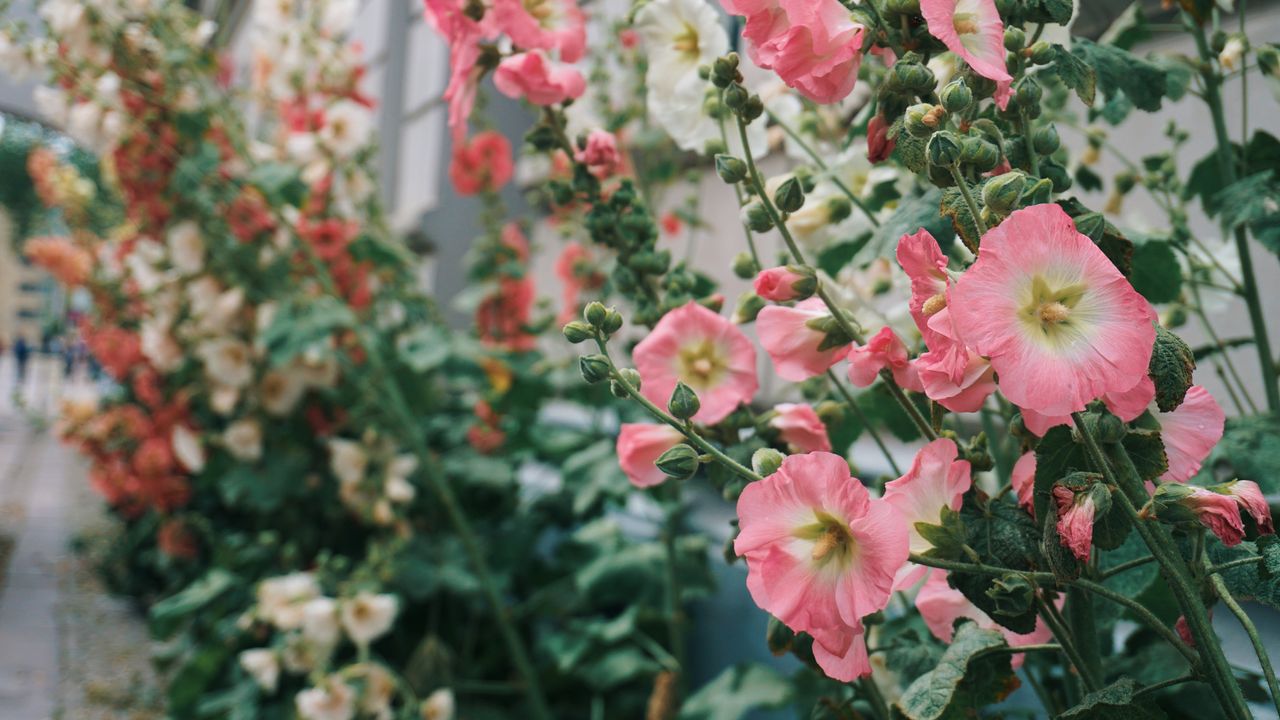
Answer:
x=21 y=354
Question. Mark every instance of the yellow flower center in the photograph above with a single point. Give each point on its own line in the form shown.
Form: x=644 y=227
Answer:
x=935 y=304
x=701 y=365
x=1048 y=310
x=965 y=23
x=687 y=41
x=541 y=10
x=832 y=541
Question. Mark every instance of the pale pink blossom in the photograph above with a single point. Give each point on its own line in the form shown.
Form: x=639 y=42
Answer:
x=557 y=25
x=783 y=284
x=1249 y=497
x=936 y=479
x=922 y=259
x=801 y=428
x=956 y=378
x=1059 y=323
x=884 y=350
x=639 y=446
x=530 y=75
x=973 y=30
x=1076 y=511
x=791 y=342
x=1023 y=479
x=1220 y=513
x=821 y=554
x=1125 y=405
x=601 y=154
x=940 y=605
x=694 y=345
x=813 y=45
x=1189 y=432
x=464 y=35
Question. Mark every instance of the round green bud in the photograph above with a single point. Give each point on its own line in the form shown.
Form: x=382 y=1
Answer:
x=735 y=97
x=680 y=462
x=956 y=96
x=766 y=461
x=911 y=77
x=594 y=368
x=744 y=266
x=1028 y=93
x=1001 y=193
x=753 y=109
x=943 y=149
x=749 y=306
x=920 y=120
x=714 y=303
x=578 y=331
x=756 y=217
x=790 y=195
x=724 y=70
x=1014 y=39
x=1041 y=53
x=1110 y=428
x=730 y=169
x=594 y=313
x=612 y=322
x=684 y=402
x=1125 y=181
x=1058 y=175
x=838 y=209
x=979 y=154
x=1046 y=140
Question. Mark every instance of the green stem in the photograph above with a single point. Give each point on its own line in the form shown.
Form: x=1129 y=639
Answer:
x=737 y=192
x=1085 y=630
x=862 y=418
x=1252 y=631
x=817 y=159
x=1063 y=635
x=1028 y=143
x=674 y=609
x=968 y=200
x=1164 y=684
x=1233 y=563
x=1124 y=566
x=1227 y=166
x=876 y=698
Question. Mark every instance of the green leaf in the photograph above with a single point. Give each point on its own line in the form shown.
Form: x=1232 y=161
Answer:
x=1146 y=450
x=1157 y=274
x=1171 y=368
x=1252 y=202
x=424 y=348
x=279 y=182
x=833 y=258
x=299 y=326
x=1057 y=12
x=737 y=691
x=1112 y=242
x=954 y=207
x=1005 y=536
x=1076 y=74
x=165 y=616
x=1118 y=71
x=1249 y=450
x=1131 y=582
x=967 y=677
x=912 y=215
x=1114 y=702
x=1128 y=29
x=1246 y=582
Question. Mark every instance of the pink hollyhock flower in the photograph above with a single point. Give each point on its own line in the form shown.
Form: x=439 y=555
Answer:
x=1249 y=497
x=1126 y=405
x=801 y=428
x=1023 y=480
x=936 y=480
x=956 y=378
x=940 y=605
x=1184 y=630
x=1216 y=511
x=69 y=263
x=544 y=25
x=926 y=266
x=1060 y=325
x=792 y=344
x=671 y=223
x=883 y=350
x=639 y=446
x=879 y=145
x=821 y=554
x=1076 y=511
x=482 y=163
x=530 y=75
x=449 y=18
x=784 y=284
x=1189 y=432
x=601 y=154
x=813 y=45
x=708 y=353
x=973 y=30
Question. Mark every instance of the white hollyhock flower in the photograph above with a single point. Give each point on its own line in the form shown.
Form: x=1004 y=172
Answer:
x=107 y=88
x=158 y=346
x=243 y=439
x=334 y=700
x=263 y=666
x=188 y=448
x=228 y=361
x=282 y=600
x=63 y=16
x=439 y=705
x=367 y=616
x=186 y=247
x=1232 y=53
x=348 y=460
x=320 y=622
x=338 y=17
x=223 y=399
x=348 y=125
x=397 y=487
x=281 y=391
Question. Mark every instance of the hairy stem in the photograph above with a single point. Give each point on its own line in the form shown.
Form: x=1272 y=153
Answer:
x=1251 y=630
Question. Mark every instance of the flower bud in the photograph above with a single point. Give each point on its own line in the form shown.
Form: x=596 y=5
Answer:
x=714 y=303
x=756 y=217
x=766 y=461
x=594 y=368
x=1125 y=180
x=787 y=283
x=789 y=196
x=943 y=150
x=911 y=77
x=830 y=412
x=730 y=169
x=1014 y=39
x=956 y=96
x=680 y=462
x=1057 y=174
x=632 y=376
x=724 y=70
x=979 y=154
x=578 y=331
x=920 y=120
x=735 y=97
x=749 y=306
x=1046 y=140
x=744 y=266
x=1001 y=193
x=594 y=313
x=1028 y=93
x=838 y=209
x=1041 y=53
x=612 y=322
x=753 y=109
x=684 y=402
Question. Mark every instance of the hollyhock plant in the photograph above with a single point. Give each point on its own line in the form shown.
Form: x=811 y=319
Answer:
x=958 y=378
x=936 y=479
x=813 y=45
x=551 y=25
x=1249 y=496
x=67 y=262
x=1218 y=511
x=795 y=347
x=1023 y=479
x=821 y=554
x=639 y=446
x=973 y=30
x=533 y=77
x=922 y=259
x=883 y=350
x=482 y=163
x=1189 y=432
x=600 y=154
x=801 y=428
x=1058 y=321
x=1076 y=513
x=785 y=283
x=694 y=345
x=941 y=605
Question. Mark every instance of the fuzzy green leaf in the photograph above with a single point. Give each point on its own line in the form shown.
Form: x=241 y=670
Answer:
x=1118 y=71
x=967 y=677
x=1076 y=74
x=1172 y=364
x=736 y=692
x=1250 y=450
x=1002 y=535
x=1114 y=702
x=1157 y=274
